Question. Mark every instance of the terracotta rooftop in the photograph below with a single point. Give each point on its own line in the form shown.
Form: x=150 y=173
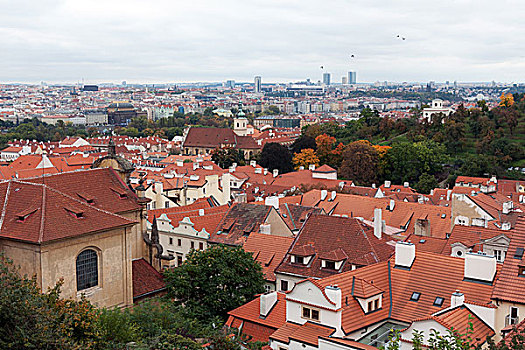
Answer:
x=332 y=237
x=146 y=280
x=268 y=250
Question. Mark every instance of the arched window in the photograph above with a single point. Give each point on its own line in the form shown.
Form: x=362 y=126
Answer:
x=87 y=269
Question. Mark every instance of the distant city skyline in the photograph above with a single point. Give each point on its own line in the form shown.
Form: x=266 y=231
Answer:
x=65 y=41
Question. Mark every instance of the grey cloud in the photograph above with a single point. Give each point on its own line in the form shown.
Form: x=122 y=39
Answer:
x=206 y=40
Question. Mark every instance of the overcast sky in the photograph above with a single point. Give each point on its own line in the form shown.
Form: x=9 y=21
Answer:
x=281 y=40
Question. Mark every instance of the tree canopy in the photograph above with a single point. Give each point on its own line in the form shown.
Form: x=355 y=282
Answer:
x=214 y=281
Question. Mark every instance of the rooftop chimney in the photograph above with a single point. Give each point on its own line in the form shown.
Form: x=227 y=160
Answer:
x=387 y=184
x=273 y=201
x=253 y=163
x=378 y=223
x=311 y=167
x=334 y=294
x=373 y=185
x=480 y=267
x=405 y=184
x=267 y=301
x=201 y=212
x=405 y=254
x=324 y=193
x=457 y=299
x=333 y=195
x=507 y=207
x=275 y=172
x=392 y=205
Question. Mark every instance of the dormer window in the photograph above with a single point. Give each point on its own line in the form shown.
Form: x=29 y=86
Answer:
x=75 y=212
x=22 y=216
x=329 y=264
x=373 y=305
x=299 y=260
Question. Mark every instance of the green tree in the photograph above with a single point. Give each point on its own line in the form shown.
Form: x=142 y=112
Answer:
x=225 y=157
x=276 y=156
x=426 y=183
x=360 y=163
x=214 y=281
x=31 y=319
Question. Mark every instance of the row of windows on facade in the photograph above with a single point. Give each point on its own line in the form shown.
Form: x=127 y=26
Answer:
x=192 y=243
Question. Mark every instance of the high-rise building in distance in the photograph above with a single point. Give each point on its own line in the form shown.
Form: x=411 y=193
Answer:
x=230 y=84
x=344 y=80
x=257 y=84
x=326 y=78
x=352 y=77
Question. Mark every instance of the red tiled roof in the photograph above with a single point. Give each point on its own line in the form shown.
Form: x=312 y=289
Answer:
x=509 y=285
x=99 y=182
x=268 y=250
x=146 y=280
x=334 y=237
x=432 y=275
x=39 y=213
x=251 y=311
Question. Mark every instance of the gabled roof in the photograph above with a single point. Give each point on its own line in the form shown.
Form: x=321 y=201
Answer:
x=332 y=237
x=472 y=237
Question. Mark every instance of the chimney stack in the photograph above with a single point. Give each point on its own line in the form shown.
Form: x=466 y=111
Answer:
x=457 y=299
x=392 y=205
x=324 y=193
x=273 y=201
x=480 y=267
x=267 y=301
x=275 y=172
x=378 y=223
x=387 y=184
x=311 y=167
x=334 y=294
x=405 y=254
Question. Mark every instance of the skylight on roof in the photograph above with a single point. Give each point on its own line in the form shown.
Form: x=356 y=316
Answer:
x=415 y=296
x=439 y=301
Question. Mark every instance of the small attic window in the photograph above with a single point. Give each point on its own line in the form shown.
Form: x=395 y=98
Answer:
x=87 y=198
x=443 y=216
x=519 y=253
x=75 y=212
x=121 y=193
x=22 y=216
x=439 y=301
x=415 y=296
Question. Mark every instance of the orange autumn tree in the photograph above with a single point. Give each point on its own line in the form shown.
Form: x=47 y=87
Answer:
x=381 y=150
x=305 y=158
x=327 y=151
x=506 y=100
